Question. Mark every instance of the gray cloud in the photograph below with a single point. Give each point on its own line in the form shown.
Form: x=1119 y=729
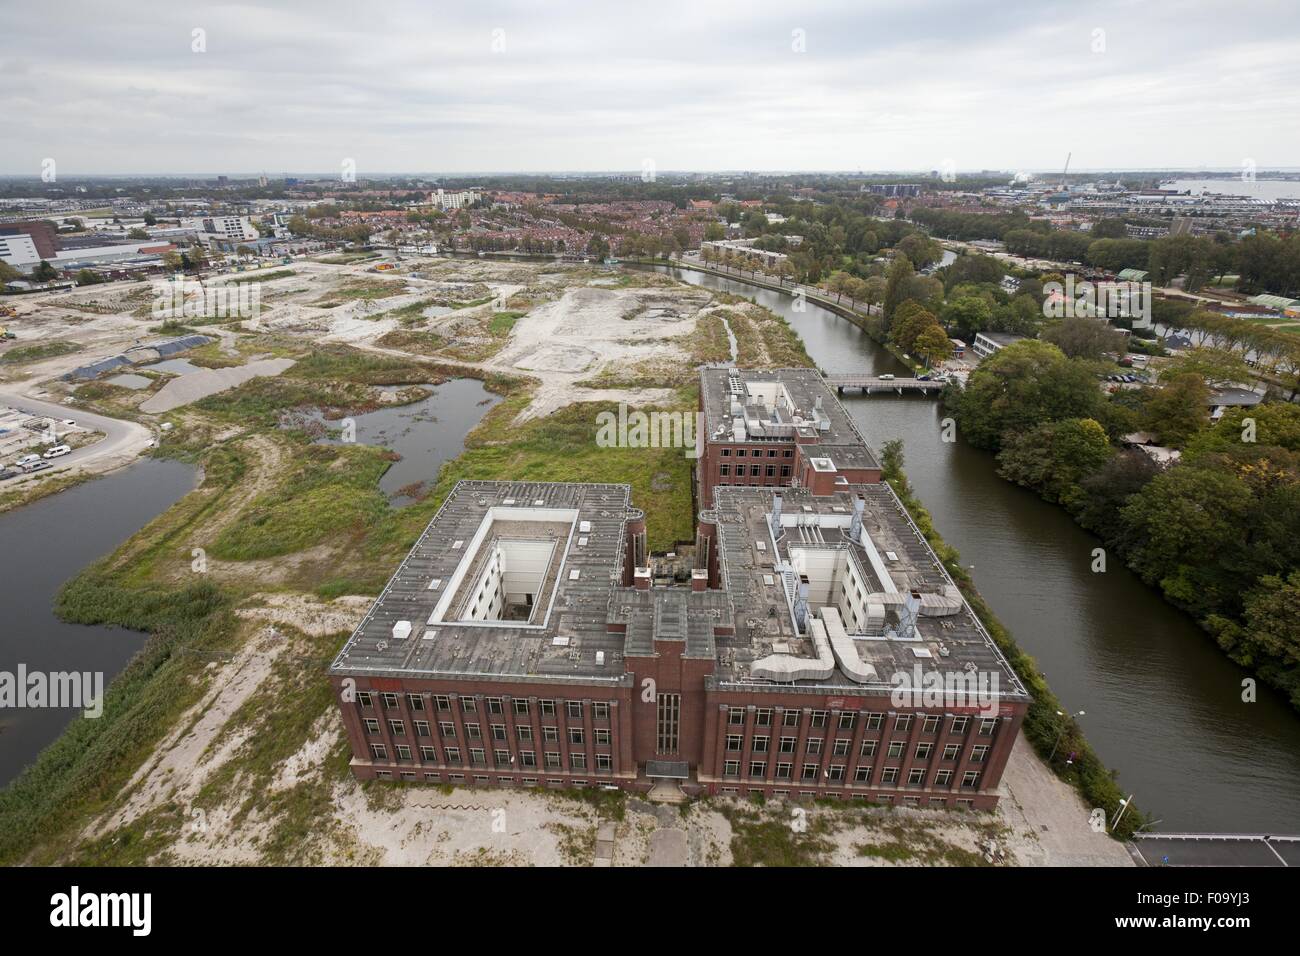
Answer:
x=114 y=87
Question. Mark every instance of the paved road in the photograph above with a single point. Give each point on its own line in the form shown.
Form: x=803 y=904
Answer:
x=122 y=440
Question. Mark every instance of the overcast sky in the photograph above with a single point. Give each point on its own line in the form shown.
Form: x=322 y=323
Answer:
x=102 y=86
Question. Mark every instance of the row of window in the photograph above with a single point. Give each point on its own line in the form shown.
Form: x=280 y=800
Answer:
x=841 y=745
x=835 y=772
x=755 y=471
x=502 y=759
x=577 y=736
x=962 y=803
x=930 y=723
x=758 y=452
x=481 y=780
x=495 y=705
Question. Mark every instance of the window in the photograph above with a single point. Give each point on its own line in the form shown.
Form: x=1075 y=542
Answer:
x=731 y=768
x=787 y=745
x=943 y=778
x=447 y=729
x=814 y=745
x=836 y=771
x=740 y=453
x=403 y=752
x=930 y=724
x=600 y=710
x=498 y=731
x=810 y=769
x=364 y=699
x=478 y=757
x=874 y=721
x=724 y=470
x=736 y=716
x=757 y=768
x=524 y=732
x=552 y=760
x=790 y=718
x=916 y=776
x=896 y=748
x=979 y=754
x=959 y=725
x=841 y=748
x=847 y=721
x=868 y=748
x=604 y=762
x=785 y=471
x=734 y=741
x=442 y=702
x=415 y=702
x=453 y=755
x=551 y=735
x=950 y=751
x=428 y=755
x=970 y=779
x=521 y=707
x=378 y=752
x=903 y=722
x=818 y=718
x=602 y=736
x=889 y=775
x=763 y=717
x=578 y=761
x=574 y=709
x=396 y=727
x=668 y=714
x=548 y=708
x=494 y=705
x=923 y=751
x=783 y=771
x=528 y=758
x=987 y=725
x=577 y=735
x=502 y=757
x=771 y=471
x=760 y=744
x=372 y=725
x=726 y=453
x=788 y=453
x=473 y=732
x=390 y=701
x=422 y=728
x=468 y=705
x=862 y=774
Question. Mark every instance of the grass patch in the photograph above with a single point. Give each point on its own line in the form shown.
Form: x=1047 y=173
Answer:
x=359 y=289
x=758 y=839
x=35 y=353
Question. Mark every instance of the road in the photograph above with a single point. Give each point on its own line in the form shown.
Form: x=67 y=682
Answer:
x=122 y=440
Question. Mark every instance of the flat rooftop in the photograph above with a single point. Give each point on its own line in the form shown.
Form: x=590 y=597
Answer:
x=509 y=580
x=872 y=576
x=743 y=405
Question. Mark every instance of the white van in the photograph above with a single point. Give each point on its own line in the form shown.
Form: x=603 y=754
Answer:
x=58 y=451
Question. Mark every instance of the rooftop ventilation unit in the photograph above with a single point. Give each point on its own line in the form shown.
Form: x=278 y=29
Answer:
x=401 y=630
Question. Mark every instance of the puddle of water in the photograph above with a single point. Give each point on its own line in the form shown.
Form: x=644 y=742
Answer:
x=426 y=433
x=175 y=366
x=130 y=381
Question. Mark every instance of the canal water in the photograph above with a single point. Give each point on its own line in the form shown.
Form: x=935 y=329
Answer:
x=44 y=544
x=1163 y=705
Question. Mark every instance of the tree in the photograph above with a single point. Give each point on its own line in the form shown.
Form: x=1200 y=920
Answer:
x=714 y=232
x=137 y=233
x=1214 y=366
x=1020 y=386
x=1177 y=410
x=44 y=272
x=87 y=277
x=900 y=271
x=967 y=313
x=1053 y=457
x=932 y=345
x=1087 y=338
x=598 y=246
x=910 y=320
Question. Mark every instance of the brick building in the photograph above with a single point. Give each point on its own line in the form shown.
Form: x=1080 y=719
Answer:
x=522 y=643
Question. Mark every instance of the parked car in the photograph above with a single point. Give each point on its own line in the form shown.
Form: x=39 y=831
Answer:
x=58 y=451
x=7 y=473
x=27 y=460
x=70 y=423
x=886 y=377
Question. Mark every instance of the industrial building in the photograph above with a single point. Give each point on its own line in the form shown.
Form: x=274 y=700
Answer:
x=819 y=648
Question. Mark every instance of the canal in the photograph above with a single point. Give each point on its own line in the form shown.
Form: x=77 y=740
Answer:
x=1163 y=705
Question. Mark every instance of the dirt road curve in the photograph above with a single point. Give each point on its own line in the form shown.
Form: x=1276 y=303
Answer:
x=121 y=443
